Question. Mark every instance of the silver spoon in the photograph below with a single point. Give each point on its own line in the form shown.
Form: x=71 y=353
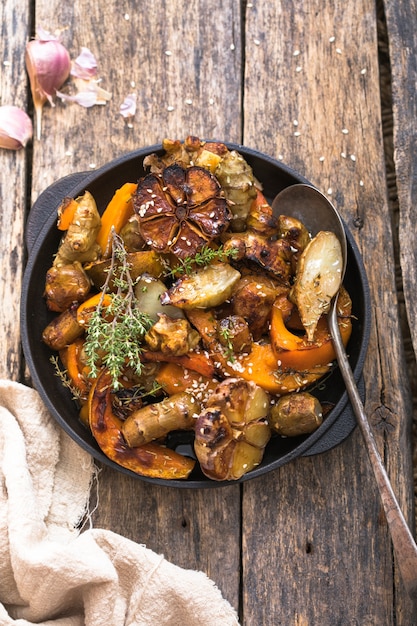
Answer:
x=317 y=213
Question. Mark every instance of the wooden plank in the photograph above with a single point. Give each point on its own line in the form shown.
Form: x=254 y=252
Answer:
x=312 y=97
x=401 y=19
x=170 y=57
x=13 y=168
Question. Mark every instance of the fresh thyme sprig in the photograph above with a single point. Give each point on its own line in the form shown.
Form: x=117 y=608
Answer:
x=226 y=335
x=64 y=378
x=116 y=330
x=203 y=257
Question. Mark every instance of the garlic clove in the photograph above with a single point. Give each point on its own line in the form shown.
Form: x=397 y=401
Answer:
x=15 y=128
x=48 y=65
x=128 y=106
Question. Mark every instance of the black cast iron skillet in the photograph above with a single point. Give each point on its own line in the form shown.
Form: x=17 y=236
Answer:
x=42 y=240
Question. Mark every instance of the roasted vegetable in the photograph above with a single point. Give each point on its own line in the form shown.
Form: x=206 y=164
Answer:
x=64 y=285
x=63 y=330
x=296 y=414
x=238 y=182
x=252 y=299
x=115 y=216
x=191 y=151
x=143 y=262
x=148 y=292
x=262 y=243
x=234 y=334
x=172 y=336
x=79 y=242
x=151 y=459
x=205 y=287
x=177 y=412
x=181 y=210
x=318 y=279
x=232 y=431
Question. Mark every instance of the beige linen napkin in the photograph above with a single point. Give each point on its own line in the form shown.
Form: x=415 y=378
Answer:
x=52 y=574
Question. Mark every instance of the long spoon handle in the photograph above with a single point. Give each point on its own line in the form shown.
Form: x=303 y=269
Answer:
x=402 y=539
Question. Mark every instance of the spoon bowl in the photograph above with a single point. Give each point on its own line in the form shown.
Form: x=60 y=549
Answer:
x=317 y=213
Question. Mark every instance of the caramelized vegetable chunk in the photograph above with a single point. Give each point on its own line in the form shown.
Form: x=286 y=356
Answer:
x=64 y=285
x=296 y=414
x=232 y=431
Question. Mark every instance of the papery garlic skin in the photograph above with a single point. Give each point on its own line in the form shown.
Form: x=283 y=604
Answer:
x=48 y=64
x=85 y=65
x=16 y=128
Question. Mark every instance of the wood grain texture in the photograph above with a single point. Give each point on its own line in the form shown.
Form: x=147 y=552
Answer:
x=401 y=20
x=318 y=106
x=13 y=90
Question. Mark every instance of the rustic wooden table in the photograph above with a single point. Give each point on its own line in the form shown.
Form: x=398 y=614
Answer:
x=298 y=79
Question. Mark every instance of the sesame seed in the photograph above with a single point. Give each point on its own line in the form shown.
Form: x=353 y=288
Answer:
x=345 y=131
x=296 y=53
x=133 y=83
x=68 y=153
x=232 y=46
x=338 y=50
x=332 y=39
x=127 y=17
x=295 y=122
x=297 y=133
x=361 y=183
x=343 y=155
x=321 y=159
x=256 y=42
x=168 y=53
x=330 y=191
x=298 y=68
x=211 y=101
x=363 y=71
x=188 y=101
x=353 y=158
x=6 y=63
x=170 y=108
x=92 y=166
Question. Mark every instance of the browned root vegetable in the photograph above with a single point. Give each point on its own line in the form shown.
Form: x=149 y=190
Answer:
x=172 y=336
x=63 y=330
x=143 y=262
x=232 y=431
x=238 y=183
x=64 y=285
x=177 y=412
x=296 y=414
x=79 y=242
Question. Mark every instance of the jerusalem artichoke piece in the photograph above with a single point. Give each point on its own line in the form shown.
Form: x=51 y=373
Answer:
x=177 y=412
x=142 y=262
x=252 y=299
x=148 y=292
x=64 y=285
x=318 y=279
x=206 y=287
x=172 y=336
x=63 y=330
x=296 y=414
x=232 y=430
x=238 y=182
x=79 y=242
